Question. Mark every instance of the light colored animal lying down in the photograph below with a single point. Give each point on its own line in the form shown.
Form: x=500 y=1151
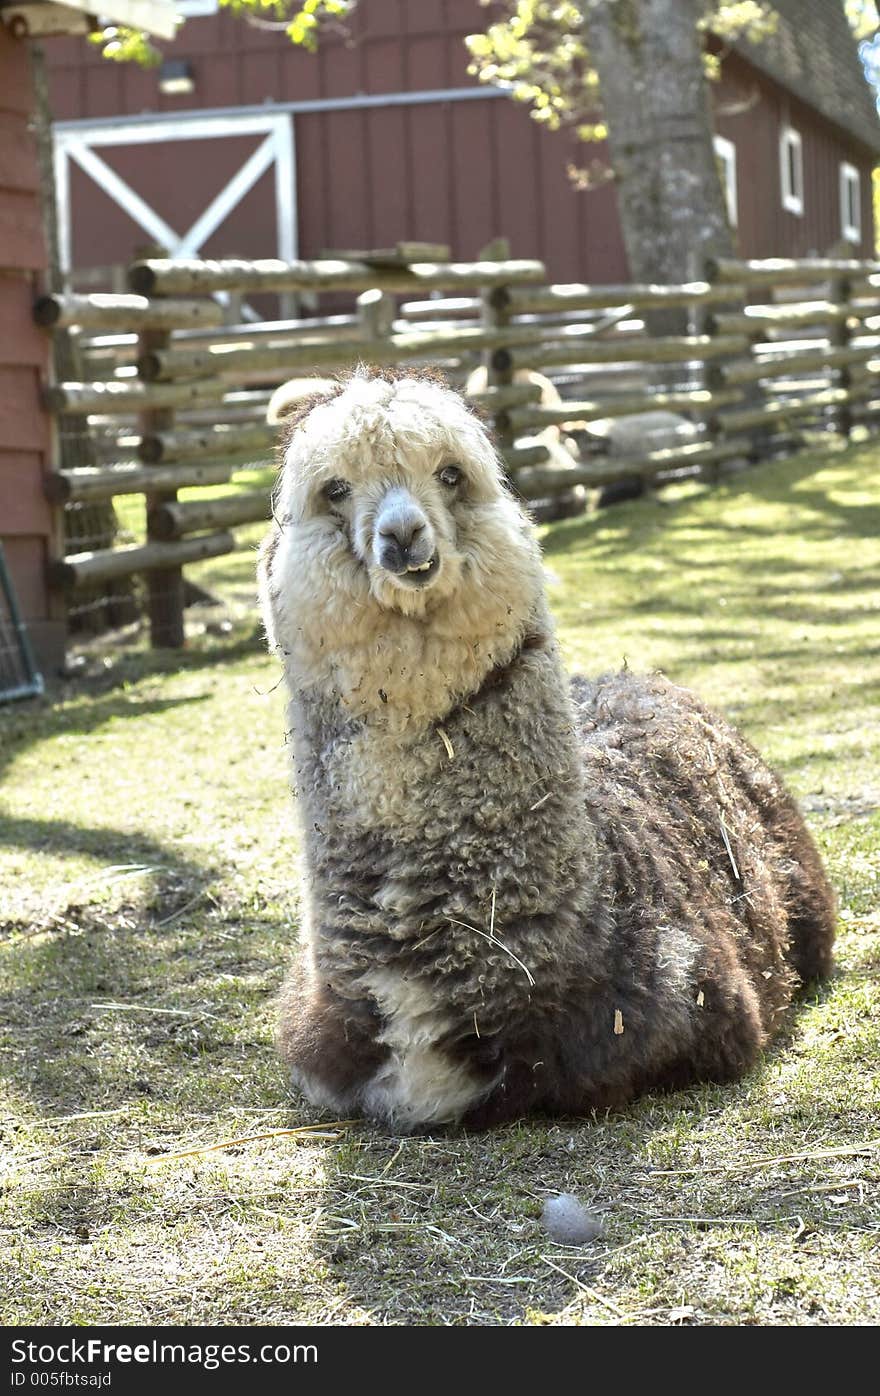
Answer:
x=562 y=450
x=522 y=893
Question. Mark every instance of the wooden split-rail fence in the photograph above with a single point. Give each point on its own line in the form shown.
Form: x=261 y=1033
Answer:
x=175 y=399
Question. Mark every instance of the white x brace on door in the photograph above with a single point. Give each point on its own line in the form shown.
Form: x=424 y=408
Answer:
x=77 y=142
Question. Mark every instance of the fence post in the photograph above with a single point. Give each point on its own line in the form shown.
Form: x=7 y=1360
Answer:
x=376 y=311
x=714 y=378
x=58 y=607
x=839 y=338
x=165 y=587
x=699 y=322
x=495 y=315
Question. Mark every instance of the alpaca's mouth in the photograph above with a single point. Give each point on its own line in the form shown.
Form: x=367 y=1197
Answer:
x=419 y=575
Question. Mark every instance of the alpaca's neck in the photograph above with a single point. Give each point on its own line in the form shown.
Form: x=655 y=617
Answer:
x=399 y=674
x=500 y=760
x=464 y=850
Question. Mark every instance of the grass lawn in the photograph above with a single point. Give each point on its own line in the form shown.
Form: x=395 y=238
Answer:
x=148 y=905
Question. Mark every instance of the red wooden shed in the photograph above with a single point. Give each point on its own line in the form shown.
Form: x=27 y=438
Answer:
x=26 y=521
x=243 y=144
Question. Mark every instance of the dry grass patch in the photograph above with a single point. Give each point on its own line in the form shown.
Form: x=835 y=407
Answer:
x=149 y=904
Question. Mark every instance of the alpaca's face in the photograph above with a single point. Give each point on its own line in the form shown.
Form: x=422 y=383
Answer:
x=393 y=490
x=400 y=569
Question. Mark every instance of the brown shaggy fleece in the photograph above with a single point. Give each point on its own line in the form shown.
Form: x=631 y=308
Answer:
x=523 y=893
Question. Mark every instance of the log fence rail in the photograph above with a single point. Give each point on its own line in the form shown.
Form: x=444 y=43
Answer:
x=784 y=347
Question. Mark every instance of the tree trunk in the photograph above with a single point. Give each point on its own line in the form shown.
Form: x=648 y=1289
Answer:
x=649 y=58
x=673 y=212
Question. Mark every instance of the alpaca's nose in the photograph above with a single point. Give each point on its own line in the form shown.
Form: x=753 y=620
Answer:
x=403 y=532
x=402 y=535
x=398 y=546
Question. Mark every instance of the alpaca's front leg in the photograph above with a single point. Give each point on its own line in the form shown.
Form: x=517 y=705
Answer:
x=329 y=1042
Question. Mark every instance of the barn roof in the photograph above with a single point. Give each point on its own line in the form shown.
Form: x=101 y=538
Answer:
x=814 y=55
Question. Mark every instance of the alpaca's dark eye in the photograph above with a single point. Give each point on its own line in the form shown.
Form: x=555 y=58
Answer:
x=336 y=490
x=450 y=475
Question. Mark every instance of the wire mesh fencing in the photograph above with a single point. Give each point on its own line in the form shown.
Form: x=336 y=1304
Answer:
x=19 y=676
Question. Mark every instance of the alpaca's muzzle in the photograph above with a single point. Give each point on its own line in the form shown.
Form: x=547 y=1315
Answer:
x=403 y=539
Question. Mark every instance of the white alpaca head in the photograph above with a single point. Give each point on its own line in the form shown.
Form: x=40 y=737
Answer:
x=395 y=531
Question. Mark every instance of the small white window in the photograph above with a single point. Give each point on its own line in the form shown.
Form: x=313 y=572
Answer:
x=725 y=152
x=850 y=202
x=187 y=9
x=791 y=165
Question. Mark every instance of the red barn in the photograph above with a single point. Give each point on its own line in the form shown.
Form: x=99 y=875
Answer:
x=26 y=520
x=242 y=144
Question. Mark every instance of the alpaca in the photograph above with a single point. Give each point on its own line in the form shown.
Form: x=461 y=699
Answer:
x=562 y=450
x=521 y=894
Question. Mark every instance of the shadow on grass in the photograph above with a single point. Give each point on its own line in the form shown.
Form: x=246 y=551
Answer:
x=24 y=725
x=82 y=948
x=163 y=998
x=157 y=926
x=245 y=641
x=110 y=846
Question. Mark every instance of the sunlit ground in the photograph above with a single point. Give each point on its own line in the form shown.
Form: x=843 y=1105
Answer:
x=148 y=868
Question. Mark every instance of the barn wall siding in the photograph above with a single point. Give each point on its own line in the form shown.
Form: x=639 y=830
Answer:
x=750 y=112
x=454 y=172
x=25 y=517
x=461 y=173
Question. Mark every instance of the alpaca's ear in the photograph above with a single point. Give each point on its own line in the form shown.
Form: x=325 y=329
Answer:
x=296 y=398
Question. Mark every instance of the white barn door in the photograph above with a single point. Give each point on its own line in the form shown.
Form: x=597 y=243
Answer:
x=78 y=143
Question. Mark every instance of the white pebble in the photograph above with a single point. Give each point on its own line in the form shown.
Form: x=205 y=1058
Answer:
x=567 y=1221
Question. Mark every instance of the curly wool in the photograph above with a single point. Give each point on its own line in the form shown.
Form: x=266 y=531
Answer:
x=523 y=894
